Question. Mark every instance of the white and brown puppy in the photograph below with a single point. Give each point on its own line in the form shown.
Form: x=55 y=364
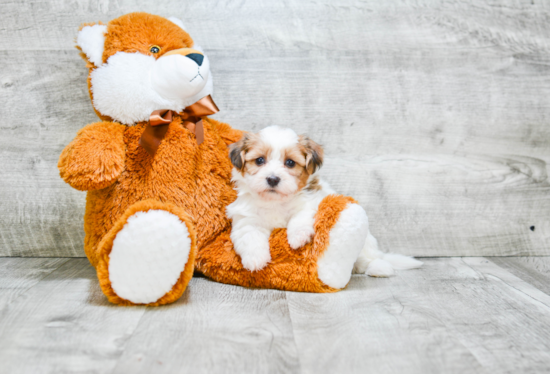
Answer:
x=275 y=174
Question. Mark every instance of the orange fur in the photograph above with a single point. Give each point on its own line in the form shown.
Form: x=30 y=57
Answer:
x=92 y=168
x=189 y=180
x=137 y=32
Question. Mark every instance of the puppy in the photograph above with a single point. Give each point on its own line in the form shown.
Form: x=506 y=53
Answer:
x=275 y=175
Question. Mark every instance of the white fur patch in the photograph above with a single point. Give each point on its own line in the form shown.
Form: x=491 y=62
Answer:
x=347 y=238
x=91 y=40
x=175 y=77
x=148 y=256
x=380 y=268
x=251 y=243
x=369 y=253
x=279 y=137
x=376 y=263
x=122 y=90
x=401 y=262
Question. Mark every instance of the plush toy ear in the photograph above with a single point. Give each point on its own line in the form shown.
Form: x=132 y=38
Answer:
x=237 y=152
x=91 y=40
x=314 y=154
x=177 y=21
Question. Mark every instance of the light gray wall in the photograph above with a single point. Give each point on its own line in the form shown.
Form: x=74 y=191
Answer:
x=434 y=114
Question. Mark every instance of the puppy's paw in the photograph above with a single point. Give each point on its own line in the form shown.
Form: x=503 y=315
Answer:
x=254 y=252
x=299 y=236
x=255 y=262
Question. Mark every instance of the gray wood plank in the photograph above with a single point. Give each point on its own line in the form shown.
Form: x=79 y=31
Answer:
x=533 y=270
x=433 y=113
x=64 y=324
x=452 y=316
x=17 y=275
x=214 y=328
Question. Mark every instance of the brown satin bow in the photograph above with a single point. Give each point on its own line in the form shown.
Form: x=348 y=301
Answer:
x=191 y=118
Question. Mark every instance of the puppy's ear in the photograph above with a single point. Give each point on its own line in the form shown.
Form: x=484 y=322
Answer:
x=314 y=154
x=237 y=151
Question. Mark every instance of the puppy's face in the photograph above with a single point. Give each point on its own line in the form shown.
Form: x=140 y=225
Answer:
x=276 y=163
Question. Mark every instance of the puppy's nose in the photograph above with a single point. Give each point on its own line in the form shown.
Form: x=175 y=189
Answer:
x=273 y=181
x=198 y=58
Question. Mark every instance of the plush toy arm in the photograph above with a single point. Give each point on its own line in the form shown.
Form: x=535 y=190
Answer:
x=95 y=158
x=228 y=134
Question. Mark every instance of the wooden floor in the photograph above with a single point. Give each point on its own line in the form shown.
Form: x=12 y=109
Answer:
x=455 y=315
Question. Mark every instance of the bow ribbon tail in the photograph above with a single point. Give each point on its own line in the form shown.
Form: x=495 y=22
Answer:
x=151 y=138
x=155 y=130
x=199 y=132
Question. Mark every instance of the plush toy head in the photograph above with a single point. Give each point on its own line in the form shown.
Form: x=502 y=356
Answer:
x=140 y=63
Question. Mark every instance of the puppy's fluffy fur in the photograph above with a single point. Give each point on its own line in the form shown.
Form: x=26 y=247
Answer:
x=275 y=174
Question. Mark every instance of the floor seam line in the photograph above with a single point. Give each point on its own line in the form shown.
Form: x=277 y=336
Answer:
x=293 y=333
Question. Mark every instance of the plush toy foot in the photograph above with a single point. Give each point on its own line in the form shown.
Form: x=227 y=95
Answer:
x=151 y=256
x=347 y=238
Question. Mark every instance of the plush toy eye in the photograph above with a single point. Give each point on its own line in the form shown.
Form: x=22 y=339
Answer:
x=260 y=161
x=154 y=49
x=290 y=163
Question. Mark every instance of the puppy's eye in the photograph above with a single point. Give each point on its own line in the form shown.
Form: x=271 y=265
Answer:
x=260 y=161
x=154 y=49
x=290 y=163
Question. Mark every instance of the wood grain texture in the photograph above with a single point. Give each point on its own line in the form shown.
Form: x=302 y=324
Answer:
x=214 y=328
x=533 y=270
x=454 y=315
x=17 y=276
x=434 y=114
x=64 y=324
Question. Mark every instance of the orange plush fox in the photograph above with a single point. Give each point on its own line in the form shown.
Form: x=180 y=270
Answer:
x=158 y=175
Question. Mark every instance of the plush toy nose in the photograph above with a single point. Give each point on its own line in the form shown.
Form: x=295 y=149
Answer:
x=196 y=57
x=191 y=53
x=273 y=180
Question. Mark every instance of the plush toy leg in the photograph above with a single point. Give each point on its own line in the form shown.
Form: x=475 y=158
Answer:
x=340 y=232
x=148 y=256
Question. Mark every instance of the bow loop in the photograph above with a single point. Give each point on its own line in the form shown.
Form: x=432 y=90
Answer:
x=159 y=120
x=202 y=108
x=161 y=117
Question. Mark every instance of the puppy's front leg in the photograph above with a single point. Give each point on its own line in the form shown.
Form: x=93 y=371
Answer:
x=300 y=229
x=251 y=242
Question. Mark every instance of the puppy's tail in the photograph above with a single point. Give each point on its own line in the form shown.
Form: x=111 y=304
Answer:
x=376 y=263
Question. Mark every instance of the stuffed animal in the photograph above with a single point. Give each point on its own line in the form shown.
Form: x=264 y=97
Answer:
x=158 y=176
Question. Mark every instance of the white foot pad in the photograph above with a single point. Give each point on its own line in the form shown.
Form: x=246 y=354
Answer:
x=347 y=238
x=148 y=256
